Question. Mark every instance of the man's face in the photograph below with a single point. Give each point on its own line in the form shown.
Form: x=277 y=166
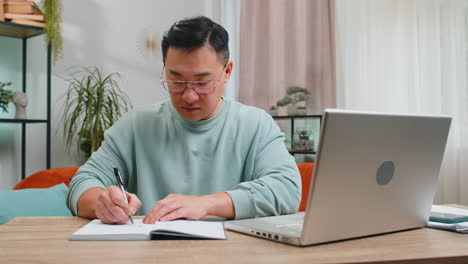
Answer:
x=199 y=65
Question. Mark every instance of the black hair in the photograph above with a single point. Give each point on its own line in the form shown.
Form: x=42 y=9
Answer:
x=193 y=33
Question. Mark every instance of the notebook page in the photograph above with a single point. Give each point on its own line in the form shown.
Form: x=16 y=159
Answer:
x=97 y=229
x=196 y=228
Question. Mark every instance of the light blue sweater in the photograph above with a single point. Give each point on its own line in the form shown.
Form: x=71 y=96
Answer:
x=240 y=151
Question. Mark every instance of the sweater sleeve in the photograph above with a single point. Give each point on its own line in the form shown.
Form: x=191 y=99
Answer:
x=275 y=185
x=98 y=170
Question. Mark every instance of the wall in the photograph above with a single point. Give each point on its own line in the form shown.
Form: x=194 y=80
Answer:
x=107 y=34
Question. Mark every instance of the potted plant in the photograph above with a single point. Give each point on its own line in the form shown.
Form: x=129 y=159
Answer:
x=294 y=94
x=93 y=103
x=53 y=19
x=304 y=142
x=304 y=134
x=6 y=96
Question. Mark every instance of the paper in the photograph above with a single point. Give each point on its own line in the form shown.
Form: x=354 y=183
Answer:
x=457 y=227
x=96 y=230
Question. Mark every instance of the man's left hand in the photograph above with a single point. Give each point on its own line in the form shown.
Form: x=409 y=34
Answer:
x=178 y=206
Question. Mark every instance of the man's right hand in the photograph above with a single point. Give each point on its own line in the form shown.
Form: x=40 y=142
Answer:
x=109 y=205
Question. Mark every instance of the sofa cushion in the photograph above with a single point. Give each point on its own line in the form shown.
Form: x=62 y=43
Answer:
x=34 y=202
x=306 y=177
x=47 y=178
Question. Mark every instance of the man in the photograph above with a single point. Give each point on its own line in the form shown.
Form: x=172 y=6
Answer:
x=198 y=154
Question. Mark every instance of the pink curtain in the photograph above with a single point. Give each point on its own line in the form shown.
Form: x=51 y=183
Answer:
x=285 y=43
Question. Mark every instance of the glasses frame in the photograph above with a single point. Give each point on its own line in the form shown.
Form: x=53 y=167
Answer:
x=165 y=83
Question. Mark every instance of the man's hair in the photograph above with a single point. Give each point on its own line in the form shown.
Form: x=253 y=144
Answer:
x=193 y=33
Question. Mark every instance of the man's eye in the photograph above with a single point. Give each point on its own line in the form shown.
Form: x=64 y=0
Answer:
x=201 y=84
x=179 y=84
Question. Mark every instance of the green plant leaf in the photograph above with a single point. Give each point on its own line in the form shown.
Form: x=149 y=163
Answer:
x=284 y=101
x=6 y=96
x=53 y=18
x=93 y=103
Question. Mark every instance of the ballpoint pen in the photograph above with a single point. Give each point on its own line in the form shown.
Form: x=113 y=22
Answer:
x=120 y=182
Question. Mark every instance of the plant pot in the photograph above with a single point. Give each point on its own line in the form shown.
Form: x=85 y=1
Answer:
x=291 y=109
x=303 y=145
x=301 y=111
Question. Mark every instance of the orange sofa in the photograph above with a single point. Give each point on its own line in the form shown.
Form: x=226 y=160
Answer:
x=306 y=176
x=47 y=178
x=50 y=177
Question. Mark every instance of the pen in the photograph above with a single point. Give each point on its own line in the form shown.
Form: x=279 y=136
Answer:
x=120 y=182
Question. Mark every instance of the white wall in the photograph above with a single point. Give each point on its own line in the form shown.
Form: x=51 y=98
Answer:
x=107 y=34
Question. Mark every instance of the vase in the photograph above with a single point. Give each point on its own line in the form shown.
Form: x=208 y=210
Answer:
x=301 y=111
x=291 y=109
x=20 y=100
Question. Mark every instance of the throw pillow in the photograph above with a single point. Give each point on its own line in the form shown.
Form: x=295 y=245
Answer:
x=34 y=202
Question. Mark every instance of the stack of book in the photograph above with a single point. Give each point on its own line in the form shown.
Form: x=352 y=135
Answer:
x=23 y=12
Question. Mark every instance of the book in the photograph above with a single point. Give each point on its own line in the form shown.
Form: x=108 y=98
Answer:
x=19 y=9
x=34 y=17
x=28 y=23
x=461 y=227
x=2 y=16
x=178 y=229
x=16 y=1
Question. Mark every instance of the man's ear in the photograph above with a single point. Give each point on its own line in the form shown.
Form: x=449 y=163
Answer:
x=228 y=70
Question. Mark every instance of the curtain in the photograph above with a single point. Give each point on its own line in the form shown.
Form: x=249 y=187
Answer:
x=286 y=43
x=409 y=56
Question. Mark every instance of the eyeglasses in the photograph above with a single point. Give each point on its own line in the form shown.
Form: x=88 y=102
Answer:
x=199 y=87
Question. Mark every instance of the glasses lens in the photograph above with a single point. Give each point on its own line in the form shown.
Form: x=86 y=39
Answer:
x=203 y=87
x=174 y=86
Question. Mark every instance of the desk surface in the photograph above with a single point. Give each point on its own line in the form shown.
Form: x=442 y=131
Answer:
x=45 y=240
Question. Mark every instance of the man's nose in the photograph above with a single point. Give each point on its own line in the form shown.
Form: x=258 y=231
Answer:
x=189 y=95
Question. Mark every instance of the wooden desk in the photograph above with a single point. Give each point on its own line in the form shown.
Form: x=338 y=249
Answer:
x=45 y=240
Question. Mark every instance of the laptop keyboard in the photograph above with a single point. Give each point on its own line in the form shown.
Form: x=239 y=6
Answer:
x=294 y=228
x=287 y=224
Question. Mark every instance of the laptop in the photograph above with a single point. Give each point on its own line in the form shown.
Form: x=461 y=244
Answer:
x=374 y=173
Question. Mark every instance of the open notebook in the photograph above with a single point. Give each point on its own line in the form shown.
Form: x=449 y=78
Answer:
x=179 y=229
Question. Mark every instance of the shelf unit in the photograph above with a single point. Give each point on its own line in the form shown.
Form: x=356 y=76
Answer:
x=293 y=120
x=24 y=33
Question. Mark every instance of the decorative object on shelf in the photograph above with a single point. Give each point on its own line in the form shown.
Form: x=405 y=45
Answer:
x=148 y=44
x=21 y=101
x=301 y=132
x=304 y=142
x=93 y=103
x=273 y=110
x=6 y=96
x=53 y=19
x=294 y=95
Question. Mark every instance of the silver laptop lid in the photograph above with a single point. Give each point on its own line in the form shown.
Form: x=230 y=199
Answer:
x=374 y=173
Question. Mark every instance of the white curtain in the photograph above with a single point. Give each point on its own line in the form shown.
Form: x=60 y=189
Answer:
x=409 y=56
x=227 y=14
